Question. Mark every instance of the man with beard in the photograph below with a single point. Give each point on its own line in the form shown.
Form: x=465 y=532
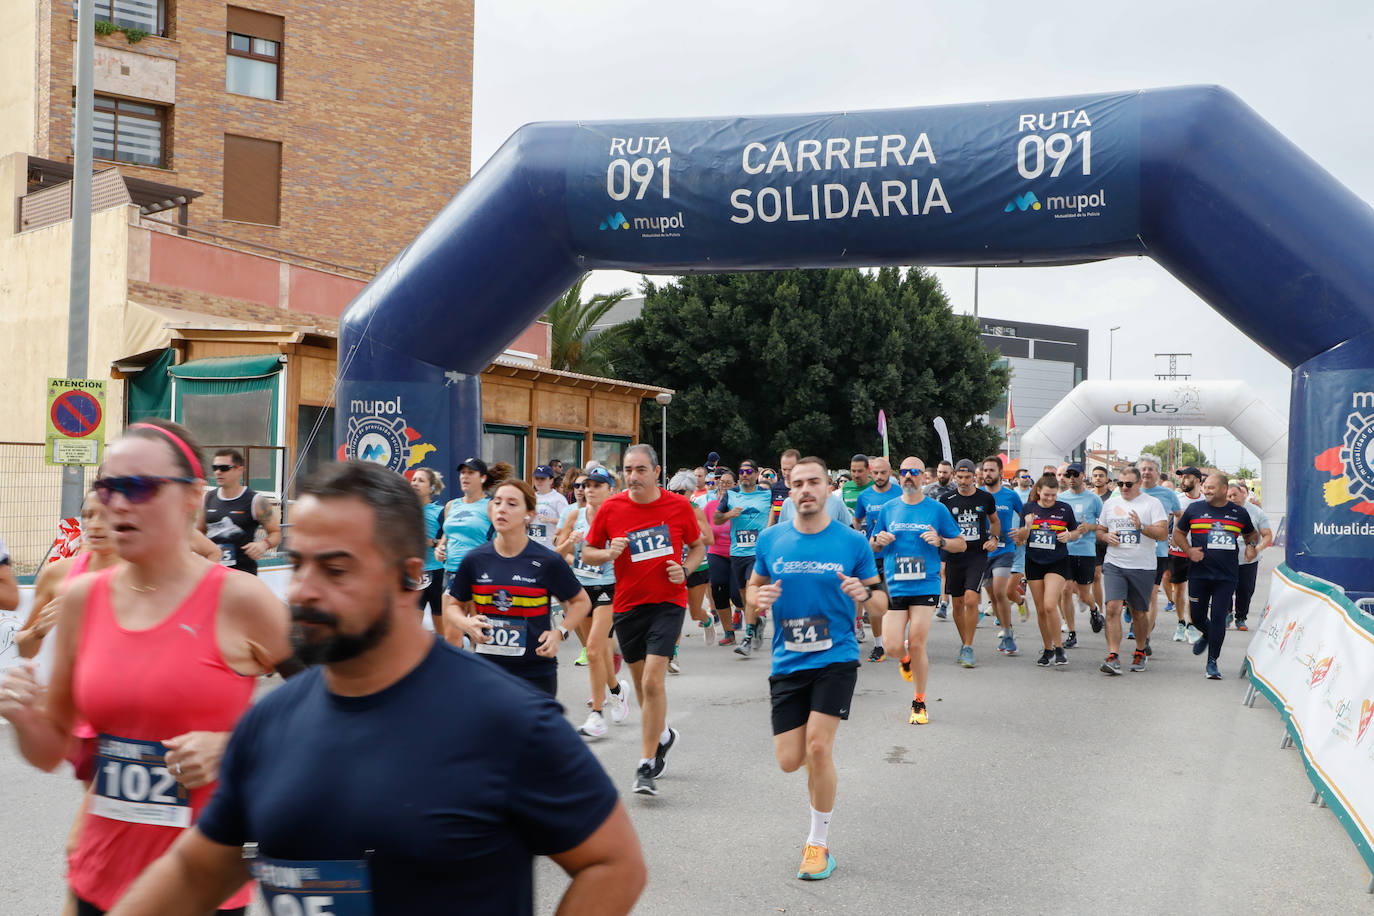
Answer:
x=343 y=782
x=1001 y=560
x=1189 y=492
x=867 y=509
x=975 y=511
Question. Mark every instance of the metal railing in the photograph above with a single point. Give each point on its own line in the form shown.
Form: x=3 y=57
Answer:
x=31 y=495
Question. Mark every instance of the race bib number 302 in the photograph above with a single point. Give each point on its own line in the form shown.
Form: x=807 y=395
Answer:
x=507 y=637
x=337 y=888
x=650 y=543
x=133 y=784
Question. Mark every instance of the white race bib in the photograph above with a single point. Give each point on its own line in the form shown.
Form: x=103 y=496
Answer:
x=909 y=569
x=806 y=634
x=650 y=544
x=507 y=637
x=133 y=784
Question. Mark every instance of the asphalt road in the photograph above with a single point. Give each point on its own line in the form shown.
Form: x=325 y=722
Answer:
x=1031 y=791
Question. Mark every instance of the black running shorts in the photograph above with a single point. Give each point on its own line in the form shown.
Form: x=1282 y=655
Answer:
x=1036 y=571
x=1178 y=569
x=907 y=602
x=649 y=629
x=964 y=572
x=827 y=690
x=1082 y=569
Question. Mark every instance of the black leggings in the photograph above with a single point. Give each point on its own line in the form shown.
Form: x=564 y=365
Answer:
x=1245 y=590
x=740 y=568
x=1209 y=601
x=432 y=596
x=719 y=571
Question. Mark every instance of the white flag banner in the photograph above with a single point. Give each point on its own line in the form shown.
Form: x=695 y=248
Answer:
x=1312 y=656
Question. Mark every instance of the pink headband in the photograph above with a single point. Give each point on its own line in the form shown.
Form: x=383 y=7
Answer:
x=179 y=443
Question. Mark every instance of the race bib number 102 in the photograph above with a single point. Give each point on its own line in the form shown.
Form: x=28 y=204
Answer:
x=133 y=784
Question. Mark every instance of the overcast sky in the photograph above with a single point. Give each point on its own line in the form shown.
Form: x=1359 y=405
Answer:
x=1306 y=68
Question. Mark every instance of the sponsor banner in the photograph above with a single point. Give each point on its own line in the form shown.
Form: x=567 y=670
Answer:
x=401 y=425
x=1338 y=504
x=1002 y=177
x=1312 y=656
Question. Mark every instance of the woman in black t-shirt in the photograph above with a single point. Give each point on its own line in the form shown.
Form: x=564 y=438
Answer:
x=1047 y=527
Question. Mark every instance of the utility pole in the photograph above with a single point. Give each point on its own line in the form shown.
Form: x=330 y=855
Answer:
x=1175 y=445
x=79 y=301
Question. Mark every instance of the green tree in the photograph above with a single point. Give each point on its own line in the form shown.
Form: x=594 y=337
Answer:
x=575 y=347
x=1185 y=454
x=805 y=359
x=1245 y=473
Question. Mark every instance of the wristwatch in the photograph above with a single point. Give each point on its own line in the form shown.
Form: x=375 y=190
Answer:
x=562 y=631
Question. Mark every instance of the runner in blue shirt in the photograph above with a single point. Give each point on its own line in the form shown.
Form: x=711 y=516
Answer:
x=746 y=508
x=909 y=535
x=866 y=508
x=1001 y=560
x=1087 y=508
x=811 y=571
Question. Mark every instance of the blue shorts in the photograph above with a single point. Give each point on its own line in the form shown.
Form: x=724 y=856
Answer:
x=1018 y=565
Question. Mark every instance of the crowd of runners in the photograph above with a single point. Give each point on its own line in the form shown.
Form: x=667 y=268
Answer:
x=159 y=629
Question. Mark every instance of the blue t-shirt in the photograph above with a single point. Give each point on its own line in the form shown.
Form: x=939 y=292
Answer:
x=834 y=507
x=1169 y=500
x=745 y=527
x=1220 y=533
x=466 y=525
x=1087 y=508
x=813 y=619
x=1043 y=545
x=1008 y=511
x=911 y=565
x=432 y=528
x=871 y=501
x=446 y=814
x=586 y=573
x=513 y=593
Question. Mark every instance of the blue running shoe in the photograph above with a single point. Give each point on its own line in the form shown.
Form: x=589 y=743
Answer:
x=1126 y=616
x=966 y=657
x=1011 y=645
x=1168 y=607
x=1200 y=646
x=1212 y=673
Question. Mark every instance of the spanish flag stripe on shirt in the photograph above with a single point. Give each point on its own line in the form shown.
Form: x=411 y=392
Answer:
x=1052 y=524
x=524 y=601
x=1204 y=525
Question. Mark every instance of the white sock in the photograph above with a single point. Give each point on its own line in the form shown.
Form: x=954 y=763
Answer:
x=820 y=828
x=646 y=760
x=663 y=738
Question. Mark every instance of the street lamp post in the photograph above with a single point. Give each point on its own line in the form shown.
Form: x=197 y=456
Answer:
x=1111 y=354
x=664 y=399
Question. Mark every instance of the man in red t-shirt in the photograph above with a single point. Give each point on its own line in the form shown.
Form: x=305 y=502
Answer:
x=653 y=538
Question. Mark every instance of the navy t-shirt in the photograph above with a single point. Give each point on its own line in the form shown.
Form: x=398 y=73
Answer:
x=513 y=593
x=1219 y=532
x=446 y=817
x=974 y=514
x=1043 y=546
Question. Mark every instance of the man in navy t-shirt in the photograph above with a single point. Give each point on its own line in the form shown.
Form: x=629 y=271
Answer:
x=357 y=803
x=1213 y=531
x=810 y=572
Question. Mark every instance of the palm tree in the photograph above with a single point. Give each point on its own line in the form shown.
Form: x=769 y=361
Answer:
x=576 y=347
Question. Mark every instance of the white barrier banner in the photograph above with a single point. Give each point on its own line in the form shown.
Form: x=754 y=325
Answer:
x=1312 y=656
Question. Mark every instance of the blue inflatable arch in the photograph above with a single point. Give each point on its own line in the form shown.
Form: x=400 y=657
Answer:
x=1191 y=177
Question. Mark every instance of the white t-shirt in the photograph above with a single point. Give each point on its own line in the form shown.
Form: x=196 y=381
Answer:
x=1261 y=521
x=1137 y=551
x=1184 y=501
x=548 y=508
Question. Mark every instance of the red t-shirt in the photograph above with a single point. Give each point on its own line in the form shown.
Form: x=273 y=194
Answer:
x=658 y=531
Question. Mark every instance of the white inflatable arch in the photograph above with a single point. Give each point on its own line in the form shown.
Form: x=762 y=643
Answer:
x=1233 y=406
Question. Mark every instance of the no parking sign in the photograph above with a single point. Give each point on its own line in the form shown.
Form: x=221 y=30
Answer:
x=76 y=420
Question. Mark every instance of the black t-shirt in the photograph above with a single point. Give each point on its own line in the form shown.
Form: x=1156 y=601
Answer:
x=231 y=525
x=973 y=514
x=447 y=804
x=1218 y=531
x=780 y=492
x=1043 y=546
x=513 y=593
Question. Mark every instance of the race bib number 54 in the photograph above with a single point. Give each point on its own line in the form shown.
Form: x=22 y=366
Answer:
x=806 y=634
x=133 y=784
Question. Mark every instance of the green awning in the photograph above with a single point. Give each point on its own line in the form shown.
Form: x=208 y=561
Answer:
x=227 y=368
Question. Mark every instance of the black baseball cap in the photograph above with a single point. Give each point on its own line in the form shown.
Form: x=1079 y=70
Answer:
x=965 y=465
x=1074 y=466
x=474 y=464
x=543 y=470
x=1189 y=470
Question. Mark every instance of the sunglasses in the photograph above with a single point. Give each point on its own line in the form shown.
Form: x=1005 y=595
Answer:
x=578 y=486
x=224 y=468
x=910 y=472
x=138 y=489
x=1072 y=474
x=747 y=472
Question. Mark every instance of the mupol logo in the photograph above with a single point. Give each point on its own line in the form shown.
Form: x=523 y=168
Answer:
x=1023 y=202
x=614 y=222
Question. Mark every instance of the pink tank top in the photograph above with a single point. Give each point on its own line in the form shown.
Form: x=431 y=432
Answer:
x=148 y=685
x=720 y=544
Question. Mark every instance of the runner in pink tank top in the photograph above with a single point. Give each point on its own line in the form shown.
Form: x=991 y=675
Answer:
x=158 y=654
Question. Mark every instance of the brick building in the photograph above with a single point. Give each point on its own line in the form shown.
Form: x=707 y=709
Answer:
x=291 y=119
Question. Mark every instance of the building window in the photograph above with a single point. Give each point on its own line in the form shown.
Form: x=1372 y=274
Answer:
x=125 y=131
x=146 y=15
x=610 y=450
x=252 y=180
x=555 y=443
x=504 y=443
x=314 y=442
x=253 y=43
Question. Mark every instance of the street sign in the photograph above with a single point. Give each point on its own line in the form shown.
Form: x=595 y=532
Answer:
x=76 y=421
